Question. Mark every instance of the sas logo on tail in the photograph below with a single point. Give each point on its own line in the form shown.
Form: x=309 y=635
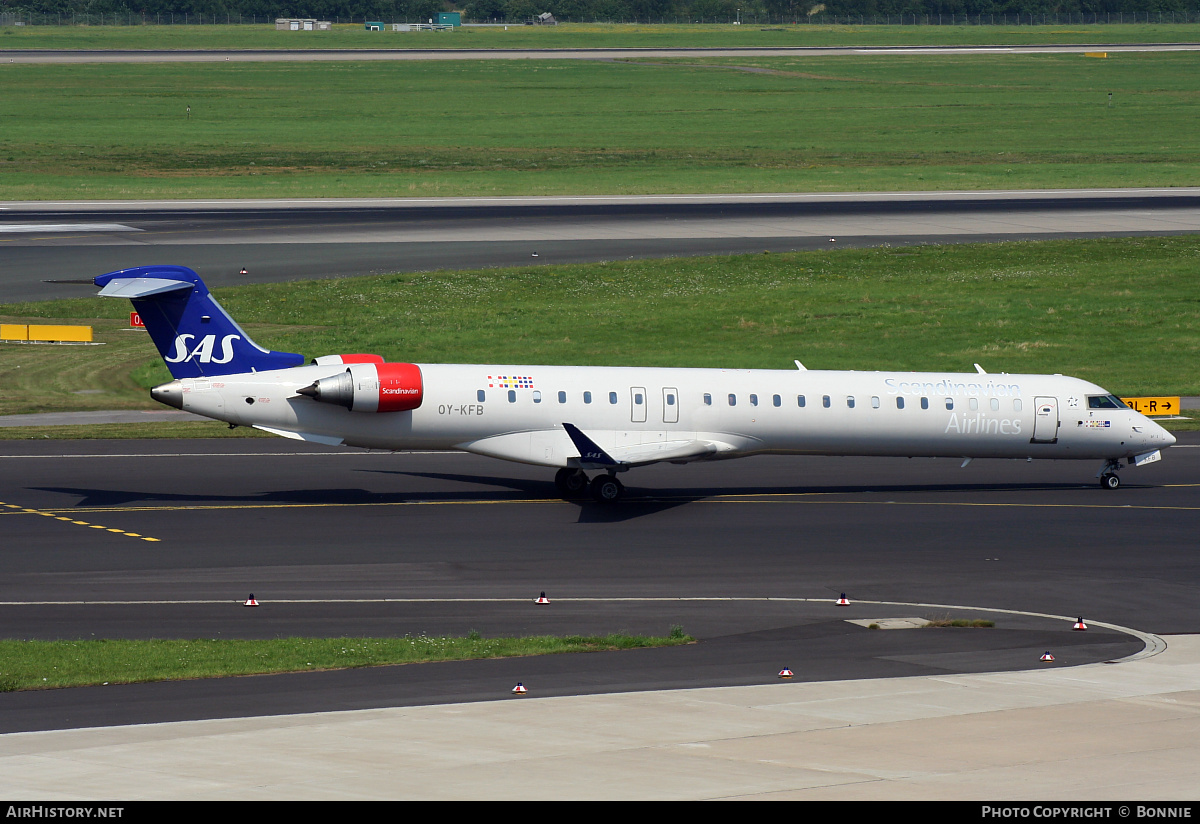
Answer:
x=203 y=351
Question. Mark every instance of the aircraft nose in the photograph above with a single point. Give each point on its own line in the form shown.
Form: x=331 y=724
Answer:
x=1159 y=437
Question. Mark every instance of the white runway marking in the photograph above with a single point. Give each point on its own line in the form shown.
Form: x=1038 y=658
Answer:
x=33 y=228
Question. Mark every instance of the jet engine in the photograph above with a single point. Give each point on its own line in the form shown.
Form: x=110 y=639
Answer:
x=371 y=387
x=327 y=360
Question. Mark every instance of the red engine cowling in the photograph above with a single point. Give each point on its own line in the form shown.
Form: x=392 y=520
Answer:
x=326 y=360
x=371 y=387
x=400 y=387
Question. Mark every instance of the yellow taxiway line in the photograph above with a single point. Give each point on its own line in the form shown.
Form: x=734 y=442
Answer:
x=17 y=509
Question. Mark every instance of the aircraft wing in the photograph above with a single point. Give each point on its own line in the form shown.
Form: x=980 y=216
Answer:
x=619 y=453
x=569 y=446
x=327 y=440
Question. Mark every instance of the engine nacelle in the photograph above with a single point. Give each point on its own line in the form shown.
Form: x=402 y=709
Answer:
x=327 y=360
x=371 y=387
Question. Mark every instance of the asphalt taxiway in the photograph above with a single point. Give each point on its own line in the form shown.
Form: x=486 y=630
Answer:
x=295 y=239
x=167 y=538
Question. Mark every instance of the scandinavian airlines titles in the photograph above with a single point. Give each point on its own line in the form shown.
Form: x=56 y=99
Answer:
x=951 y=388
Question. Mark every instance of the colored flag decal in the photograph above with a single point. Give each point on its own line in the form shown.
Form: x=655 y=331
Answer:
x=510 y=382
x=1096 y=424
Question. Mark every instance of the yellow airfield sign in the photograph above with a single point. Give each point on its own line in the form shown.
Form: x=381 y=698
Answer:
x=1154 y=406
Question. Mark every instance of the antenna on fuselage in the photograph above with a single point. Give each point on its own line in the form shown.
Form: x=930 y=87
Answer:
x=800 y=366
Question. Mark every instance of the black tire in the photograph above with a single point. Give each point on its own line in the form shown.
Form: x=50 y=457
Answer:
x=1110 y=481
x=606 y=489
x=571 y=482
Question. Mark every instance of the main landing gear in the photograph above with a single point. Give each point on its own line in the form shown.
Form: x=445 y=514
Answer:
x=1108 y=474
x=604 y=488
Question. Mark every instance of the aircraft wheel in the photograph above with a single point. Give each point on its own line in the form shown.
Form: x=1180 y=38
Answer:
x=606 y=489
x=571 y=482
x=1110 y=481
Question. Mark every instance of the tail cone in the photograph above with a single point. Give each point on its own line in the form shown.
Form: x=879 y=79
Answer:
x=170 y=394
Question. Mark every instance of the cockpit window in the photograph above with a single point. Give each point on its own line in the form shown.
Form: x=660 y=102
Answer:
x=1105 y=402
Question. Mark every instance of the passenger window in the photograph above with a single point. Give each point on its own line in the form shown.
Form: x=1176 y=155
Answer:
x=754 y=400
x=537 y=396
x=949 y=403
x=899 y=403
x=637 y=398
x=587 y=397
x=994 y=403
x=670 y=399
x=512 y=396
x=562 y=397
x=825 y=401
x=874 y=401
x=480 y=395
x=1016 y=404
x=974 y=404
x=800 y=401
x=776 y=400
x=924 y=403
x=850 y=402
x=612 y=397
x=732 y=399
x=707 y=399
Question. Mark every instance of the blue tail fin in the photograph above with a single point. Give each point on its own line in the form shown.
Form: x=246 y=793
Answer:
x=194 y=335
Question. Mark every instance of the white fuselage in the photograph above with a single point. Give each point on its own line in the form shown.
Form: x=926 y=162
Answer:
x=517 y=412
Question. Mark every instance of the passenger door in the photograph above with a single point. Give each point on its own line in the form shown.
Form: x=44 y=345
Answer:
x=670 y=404
x=637 y=397
x=1045 y=420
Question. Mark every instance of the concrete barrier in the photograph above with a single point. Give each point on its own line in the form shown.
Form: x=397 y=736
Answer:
x=45 y=333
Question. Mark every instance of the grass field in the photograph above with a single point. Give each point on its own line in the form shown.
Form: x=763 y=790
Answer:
x=581 y=35
x=26 y=665
x=891 y=122
x=1124 y=313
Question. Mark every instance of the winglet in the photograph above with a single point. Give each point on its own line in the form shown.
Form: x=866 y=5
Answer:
x=589 y=452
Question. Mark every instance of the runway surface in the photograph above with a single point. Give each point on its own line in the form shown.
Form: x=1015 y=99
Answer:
x=342 y=55
x=288 y=240
x=166 y=539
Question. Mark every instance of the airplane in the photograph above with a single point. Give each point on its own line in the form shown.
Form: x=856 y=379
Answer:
x=609 y=420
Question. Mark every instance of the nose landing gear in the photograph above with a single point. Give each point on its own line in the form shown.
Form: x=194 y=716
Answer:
x=1108 y=474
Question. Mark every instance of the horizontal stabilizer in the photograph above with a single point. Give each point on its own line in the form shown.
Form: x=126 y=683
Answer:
x=141 y=287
